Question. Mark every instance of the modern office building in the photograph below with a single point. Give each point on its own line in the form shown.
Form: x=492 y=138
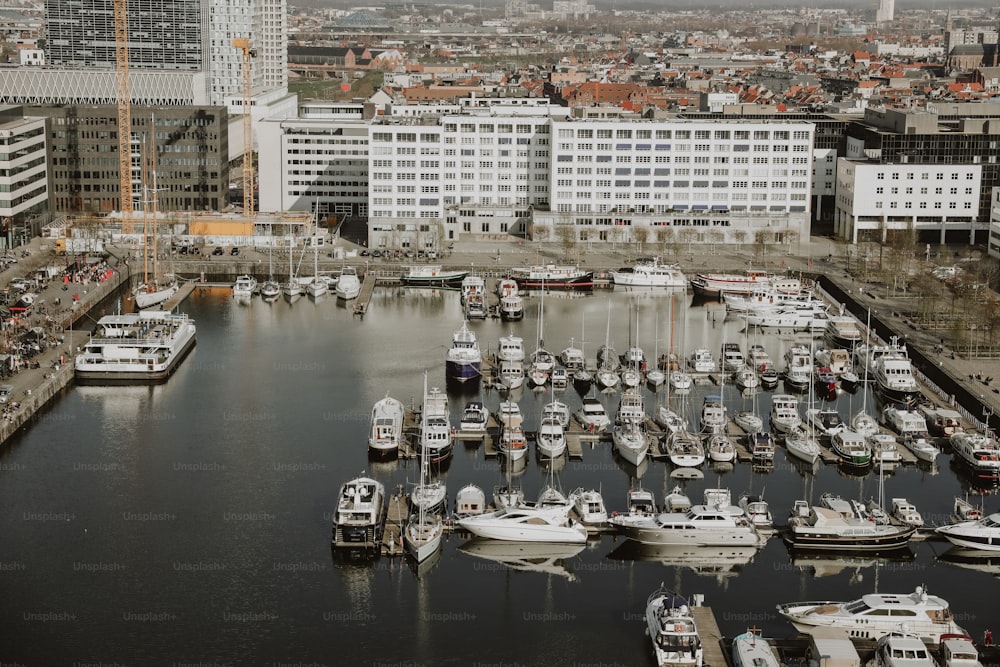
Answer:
x=24 y=183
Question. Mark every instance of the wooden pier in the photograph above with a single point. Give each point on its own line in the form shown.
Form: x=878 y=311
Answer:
x=710 y=635
x=365 y=297
x=395 y=522
x=179 y=296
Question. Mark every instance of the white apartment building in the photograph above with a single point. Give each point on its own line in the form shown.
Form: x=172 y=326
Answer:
x=993 y=244
x=876 y=198
x=23 y=168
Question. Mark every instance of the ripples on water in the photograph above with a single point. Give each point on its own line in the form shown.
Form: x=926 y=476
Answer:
x=190 y=522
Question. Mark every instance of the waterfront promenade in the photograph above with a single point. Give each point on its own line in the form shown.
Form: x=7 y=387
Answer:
x=818 y=256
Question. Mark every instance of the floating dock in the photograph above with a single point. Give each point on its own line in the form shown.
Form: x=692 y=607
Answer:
x=365 y=297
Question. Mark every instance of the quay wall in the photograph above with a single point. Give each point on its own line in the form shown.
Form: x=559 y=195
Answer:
x=55 y=382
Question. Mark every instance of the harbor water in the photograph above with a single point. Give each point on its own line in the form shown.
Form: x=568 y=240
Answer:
x=189 y=522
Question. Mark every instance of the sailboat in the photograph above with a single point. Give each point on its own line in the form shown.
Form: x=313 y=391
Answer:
x=799 y=441
x=581 y=376
x=863 y=423
x=318 y=286
x=270 y=289
x=292 y=288
x=154 y=289
x=422 y=537
x=607 y=360
x=542 y=361
x=634 y=359
x=654 y=376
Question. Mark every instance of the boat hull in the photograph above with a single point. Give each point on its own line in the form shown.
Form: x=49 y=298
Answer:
x=582 y=281
x=122 y=374
x=462 y=371
x=807 y=539
x=442 y=279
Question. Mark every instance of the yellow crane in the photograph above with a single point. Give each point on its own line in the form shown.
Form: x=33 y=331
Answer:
x=246 y=54
x=124 y=98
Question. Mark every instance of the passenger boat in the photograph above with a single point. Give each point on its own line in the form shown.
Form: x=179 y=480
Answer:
x=684 y=449
x=716 y=284
x=474 y=417
x=702 y=525
x=527 y=524
x=768 y=299
x=360 y=514
x=349 y=284
x=134 y=348
x=752 y=650
x=592 y=415
x=387 y=427
x=553 y=277
x=470 y=501
x=244 y=286
x=430 y=275
x=801 y=444
x=980 y=453
x=672 y=630
x=901 y=649
x=589 y=507
x=463 y=359
x=435 y=429
x=851 y=449
x=982 y=533
x=785 y=413
x=650 y=273
x=906 y=512
x=876 y=615
x=824 y=528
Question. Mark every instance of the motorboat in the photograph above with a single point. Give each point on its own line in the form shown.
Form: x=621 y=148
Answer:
x=906 y=512
x=982 y=533
x=828 y=529
x=894 y=380
x=752 y=650
x=474 y=417
x=702 y=525
x=472 y=286
x=901 y=649
x=244 y=286
x=475 y=308
x=746 y=379
x=959 y=652
x=768 y=299
x=435 y=429
x=761 y=448
x=348 y=284
x=572 y=357
x=672 y=630
x=785 y=413
x=756 y=510
x=795 y=318
x=877 y=614
x=511 y=308
x=386 y=427
x=769 y=378
x=797 y=378
x=866 y=356
x=837 y=360
x=824 y=421
x=851 y=449
x=843 y=332
x=714 y=418
x=641 y=505
x=589 y=506
x=749 y=421
x=676 y=501
x=903 y=420
x=511 y=348
x=527 y=524
x=684 y=449
x=716 y=284
x=592 y=415
x=885 y=450
x=509 y=414
x=650 y=273
x=702 y=361
x=825 y=381
x=360 y=514
x=513 y=444
x=553 y=277
x=430 y=275
x=759 y=359
x=511 y=374
x=551 y=438
x=463 y=360
x=732 y=357
x=920 y=445
x=506 y=287
x=801 y=444
x=720 y=448
x=143 y=347
x=679 y=381
x=963 y=510
x=941 y=422
x=557 y=410
x=270 y=289
x=980 y=453
x=470 y=501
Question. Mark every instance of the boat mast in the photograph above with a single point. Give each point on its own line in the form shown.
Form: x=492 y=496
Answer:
x=153 y=161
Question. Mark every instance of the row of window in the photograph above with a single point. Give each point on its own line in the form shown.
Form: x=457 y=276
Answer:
x=717 y=135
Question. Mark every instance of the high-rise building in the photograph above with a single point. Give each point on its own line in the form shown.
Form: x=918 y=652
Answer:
x=886 y=11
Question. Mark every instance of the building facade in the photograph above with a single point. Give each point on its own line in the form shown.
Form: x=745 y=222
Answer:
x=24 y=181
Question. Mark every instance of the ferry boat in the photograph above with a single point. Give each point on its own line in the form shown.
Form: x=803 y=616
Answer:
x=552 y=276
x=982 y=533
x=876 y=615
x=716 y=284
x=672 y=630
x=137 y=347
x=431 y=275
x=387 y=427
x=979 y=452
x=650 y=273
x=463 y=360
x=837 y=527
x=360 y=514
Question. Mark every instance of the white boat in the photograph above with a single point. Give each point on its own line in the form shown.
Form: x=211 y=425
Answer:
x=785 y=413
x=424 y=528
x=472 y=285
x=672 y=630
x=920 y=445
x=906 y=512
x=980 y=453
x=509 y=414
x=982 y=533
x=527 y=524
x=474 y=417
x=650 y=273
x=475 y=308
x=513 y=444
x=837 y=360
x=799 y=318
x=348 y=285
x=511 y=374
x=435 y=428
x=901 y=649
x=670 y=420
x=702 y=525
x=749 y=421
x=761 y=448
x=684 y=449
x=592 y=415
x=558 y=410
x=837 y=527
x=764 y=300
x=631 y=377
x=641 y=506
x=701 y=361
x=802 y=445
x=752 y=650
x=553 y=277
x=963 y=510
x=470 y=501
x=539 y=557
x=137 y=347
x=824 y=421
x=746 y=379
x=317 y=286
x=386 y=427
x=720 y=448
x=589 y=506
x=864 y=424
x=759 y=360
x=360 y=514
x=506 y=287
x=244 y=286
x=903 y=420
x=572 y=357
x=885 y=450
x=798 y=366
x=941 y=421
x=959 y=652
x=714 y=417
x=756 y=510
x=511 y=348
x=431 y=275
x=154 y=292
x=843 y=332
x=463 y=360
x=270 y=289
x=630 y=440
x=732 y=357
x=894 y=379
x=852 y=449
x=551 y=438
x=876 y=615
x=676 y=501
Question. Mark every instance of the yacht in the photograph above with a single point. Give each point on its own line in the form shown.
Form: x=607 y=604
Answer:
x=629 y=433
x=767 y=299
x=589 y=507
x=837 y=527
x=825 y=381
x=551 y=438
x=756 y=510
x=824 y=421
x=527 y=524
x=557 y=410
x=134 y=348
x=980 y=453
x=676 y=501
x=759 y=359
x=843 y=331
x=732 y=357
x=702 y=525
x=903 y=420
x=386 y=428
x=511 y=348
x=941 y=422
x=435 y=429
x=509 y=414
x=752 y=650
x=716 y=284
x=749 y=421
x=959 y=652
x=885 y=450
x=837 y=360
x=761 y=448
x=650 y=273
x=513 y=444
x=474 y=417
x=244 y=286
x=360 y=514
x=684 y=449
x=851 y=448
x=511 y=374
x=894 y=380
x=672 y=630
x=982 y=533
x=592 y=415
x=720 y=448
x=919 y=444
x=798 y=367
x=641 y=506
x=702 y=361
x=472 y=285
x=906 y=512
x=746 y=379
x=463 y=360
x=475 y=307
x=349 y=284
x=785 y=413
x=470 y=501
x=876 y=615
x=572 y=357
x=713 y=414
x=797 y=318
x=424 y=529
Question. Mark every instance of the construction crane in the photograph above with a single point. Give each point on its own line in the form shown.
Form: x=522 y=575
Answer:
x=246 y=53
x=124 y=98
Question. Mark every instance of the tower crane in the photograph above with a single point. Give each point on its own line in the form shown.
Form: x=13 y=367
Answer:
x=246 y=54
x=124 y=99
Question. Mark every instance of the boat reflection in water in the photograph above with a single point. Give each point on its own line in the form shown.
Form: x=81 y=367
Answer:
x=832 y=564
x=719 y=562
x=542 y=557
x=978 y=560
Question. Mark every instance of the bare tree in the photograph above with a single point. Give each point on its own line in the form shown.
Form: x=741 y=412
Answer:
x=641 y=235
x=567 y=237
x=740 y=236
x=762 y=238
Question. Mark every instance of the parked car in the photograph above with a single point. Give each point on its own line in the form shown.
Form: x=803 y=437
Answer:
x=235 y=250
x=218 y=251
x=183 y=250
x=19 y=284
